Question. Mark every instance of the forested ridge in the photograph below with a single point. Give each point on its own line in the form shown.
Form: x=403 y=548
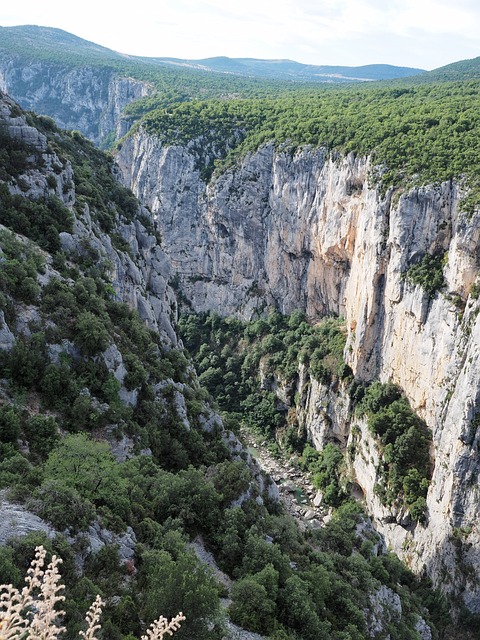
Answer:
x=172 y=83
x=415 y=135
x=417 y=131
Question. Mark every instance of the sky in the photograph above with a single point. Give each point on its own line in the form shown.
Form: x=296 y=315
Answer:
x=415 y=33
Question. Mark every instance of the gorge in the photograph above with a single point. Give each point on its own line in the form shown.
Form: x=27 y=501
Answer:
x=284 y=225
x=306 y=231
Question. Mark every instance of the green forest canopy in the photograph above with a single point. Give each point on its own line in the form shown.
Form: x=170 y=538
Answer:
x=424 y=133
x=419 y=130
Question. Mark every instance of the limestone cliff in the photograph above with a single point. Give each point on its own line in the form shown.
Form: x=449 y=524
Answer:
x=131 y=261
x=310 y=231
x=141 y=283
x=85 y=98
x=74 y=245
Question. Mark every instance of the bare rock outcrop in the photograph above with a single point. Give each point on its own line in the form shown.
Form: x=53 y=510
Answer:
x=85 y=98
x=16 y=521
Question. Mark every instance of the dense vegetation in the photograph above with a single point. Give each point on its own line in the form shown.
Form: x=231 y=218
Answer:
x=428 y=273
x=404 y=439
x=418 y=130
x=228 y=355
x=419 y=134
x=462 y=70
x=242 y=364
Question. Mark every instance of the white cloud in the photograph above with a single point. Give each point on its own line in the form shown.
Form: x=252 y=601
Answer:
x=437 y=18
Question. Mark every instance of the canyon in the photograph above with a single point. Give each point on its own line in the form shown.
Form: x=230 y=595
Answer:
x=308 y=230
x=304 y=228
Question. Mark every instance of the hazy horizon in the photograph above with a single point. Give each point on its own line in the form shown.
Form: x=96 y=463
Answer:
x=353 y=33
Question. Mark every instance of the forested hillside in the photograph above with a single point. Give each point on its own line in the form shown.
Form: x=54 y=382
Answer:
x=111 y=454
x=85 y=86
x=414 y=135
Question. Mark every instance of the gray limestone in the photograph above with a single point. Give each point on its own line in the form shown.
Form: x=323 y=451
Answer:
x=83 y=98
x=7 y=338
x=312 y=232
x=16 y=521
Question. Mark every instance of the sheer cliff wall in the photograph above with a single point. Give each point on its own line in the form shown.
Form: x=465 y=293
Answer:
x=308 y=231
x=83 y=98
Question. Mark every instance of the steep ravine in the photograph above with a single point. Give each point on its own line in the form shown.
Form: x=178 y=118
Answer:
x=309 y=231
x=75 y=359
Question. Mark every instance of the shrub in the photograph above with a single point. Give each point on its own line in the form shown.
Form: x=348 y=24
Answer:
x=91 y=334
x=10 y=423
x=62 y=506
x=405 y=440
x=327 y=472
x=251 y=607
x=428 y=273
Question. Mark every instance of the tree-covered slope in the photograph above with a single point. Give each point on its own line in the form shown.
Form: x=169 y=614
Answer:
x=414 y=128
x=110 y=450
x=81 y=368
x=461 y=70
x=420 y=134
x=45 y=43
x=86 y=87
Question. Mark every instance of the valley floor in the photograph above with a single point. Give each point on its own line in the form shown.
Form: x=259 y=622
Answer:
x=295 y=486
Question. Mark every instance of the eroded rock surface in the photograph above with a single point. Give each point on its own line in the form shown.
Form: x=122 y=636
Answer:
x=84 y=98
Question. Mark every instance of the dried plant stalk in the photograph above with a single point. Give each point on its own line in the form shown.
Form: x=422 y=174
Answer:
x=162 y=627
x=30 y=614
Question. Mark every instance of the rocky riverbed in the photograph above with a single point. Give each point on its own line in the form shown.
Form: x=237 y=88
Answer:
x=295 y=486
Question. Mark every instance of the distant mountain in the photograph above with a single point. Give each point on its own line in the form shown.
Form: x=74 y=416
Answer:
x=51 y=44
x=47 y=43
x=291 y=70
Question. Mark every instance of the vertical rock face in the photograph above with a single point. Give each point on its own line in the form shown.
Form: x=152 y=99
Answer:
x=87 y=99
x=256 y=235
x=139 y=278
x=308 y=231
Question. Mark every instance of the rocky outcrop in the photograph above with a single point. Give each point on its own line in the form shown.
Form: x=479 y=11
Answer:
x=138 y=277
x=16 y=521
x=85 y=98
x=309 y=231
x=98 y=537
x=7 y=339
x=324 y=413
x=385 y=606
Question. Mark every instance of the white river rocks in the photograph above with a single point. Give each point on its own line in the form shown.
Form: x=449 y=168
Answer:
x=304 y=230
